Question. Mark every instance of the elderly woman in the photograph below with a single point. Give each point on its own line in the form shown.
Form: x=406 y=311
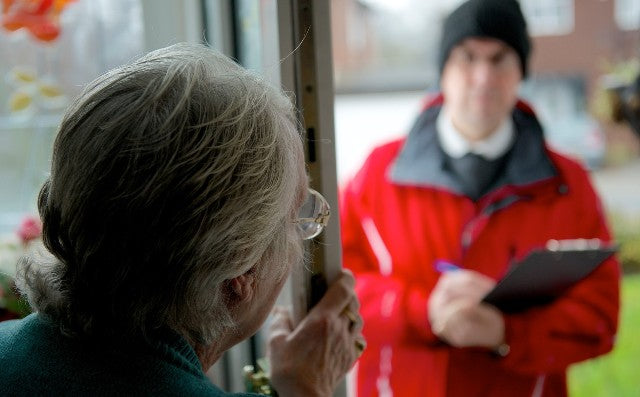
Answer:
x=175 y=210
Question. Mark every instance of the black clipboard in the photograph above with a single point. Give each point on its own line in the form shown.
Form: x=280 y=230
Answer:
x=544 y=274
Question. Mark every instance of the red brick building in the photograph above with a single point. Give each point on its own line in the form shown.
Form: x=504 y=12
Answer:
x=595 y=41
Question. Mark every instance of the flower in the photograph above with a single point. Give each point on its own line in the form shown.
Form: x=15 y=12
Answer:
x=30 y=229
x=12 y=247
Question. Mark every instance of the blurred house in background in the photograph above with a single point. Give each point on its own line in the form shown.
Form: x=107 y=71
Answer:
x=575 y=43
x=392 y=46
x=383 y=46
x=582 y=38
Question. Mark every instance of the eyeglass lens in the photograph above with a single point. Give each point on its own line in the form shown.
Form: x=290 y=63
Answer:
x=311 y=214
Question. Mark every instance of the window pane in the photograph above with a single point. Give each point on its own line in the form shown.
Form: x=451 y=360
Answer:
x=40 y=74
x=257 y=37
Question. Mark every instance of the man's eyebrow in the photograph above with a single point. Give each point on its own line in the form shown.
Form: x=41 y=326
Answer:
x=500 y=53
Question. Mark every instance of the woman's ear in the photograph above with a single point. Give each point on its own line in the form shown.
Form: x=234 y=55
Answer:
x=241 y=288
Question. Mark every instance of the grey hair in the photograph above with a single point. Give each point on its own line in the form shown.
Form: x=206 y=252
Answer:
x=169 y=176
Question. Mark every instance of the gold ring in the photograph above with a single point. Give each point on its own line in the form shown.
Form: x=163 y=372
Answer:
x=350 y=315
x=353 y=318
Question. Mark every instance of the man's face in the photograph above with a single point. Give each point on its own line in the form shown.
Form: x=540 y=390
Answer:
x=480 y=85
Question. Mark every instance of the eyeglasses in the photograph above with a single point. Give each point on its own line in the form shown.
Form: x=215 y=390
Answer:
x=313 y=216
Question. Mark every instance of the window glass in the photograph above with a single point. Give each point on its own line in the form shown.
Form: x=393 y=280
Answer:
x=46 y=56
x=257 y=37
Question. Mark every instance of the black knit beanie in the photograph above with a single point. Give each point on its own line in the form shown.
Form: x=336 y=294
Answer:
x=499 y=19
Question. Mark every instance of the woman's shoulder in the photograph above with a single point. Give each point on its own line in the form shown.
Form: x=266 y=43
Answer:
x=25 y=329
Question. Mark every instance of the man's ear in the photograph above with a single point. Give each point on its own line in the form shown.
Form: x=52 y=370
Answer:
x=240 y=289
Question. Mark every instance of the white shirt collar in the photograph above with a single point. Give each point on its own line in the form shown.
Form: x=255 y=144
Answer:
x=456 y=145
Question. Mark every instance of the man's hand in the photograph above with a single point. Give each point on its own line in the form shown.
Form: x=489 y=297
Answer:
x=310 y=359
x=457 y=315
x=464 y=324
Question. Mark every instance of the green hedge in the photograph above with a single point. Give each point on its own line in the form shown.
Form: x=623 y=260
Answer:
x=614 y=374
x=626 y=231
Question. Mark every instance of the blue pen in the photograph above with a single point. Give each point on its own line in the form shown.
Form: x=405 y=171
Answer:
x=445 y=266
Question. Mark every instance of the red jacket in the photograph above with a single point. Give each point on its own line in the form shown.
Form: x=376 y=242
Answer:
x=403 y=211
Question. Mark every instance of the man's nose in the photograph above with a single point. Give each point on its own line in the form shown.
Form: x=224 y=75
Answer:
x=484 y=72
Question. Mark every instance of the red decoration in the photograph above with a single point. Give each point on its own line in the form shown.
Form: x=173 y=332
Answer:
x=40 y=17
x=30 y=229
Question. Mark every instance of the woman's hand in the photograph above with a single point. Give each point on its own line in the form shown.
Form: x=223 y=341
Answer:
x=312 y=358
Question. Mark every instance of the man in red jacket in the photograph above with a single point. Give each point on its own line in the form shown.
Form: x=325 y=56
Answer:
x=475 y=185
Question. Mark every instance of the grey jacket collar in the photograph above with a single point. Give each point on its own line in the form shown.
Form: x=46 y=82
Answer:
x=421 y=161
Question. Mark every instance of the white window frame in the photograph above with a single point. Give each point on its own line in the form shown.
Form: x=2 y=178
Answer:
x=549 y=17
x=627 y=14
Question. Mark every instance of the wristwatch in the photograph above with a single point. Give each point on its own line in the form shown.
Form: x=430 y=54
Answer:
x=502 y=350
